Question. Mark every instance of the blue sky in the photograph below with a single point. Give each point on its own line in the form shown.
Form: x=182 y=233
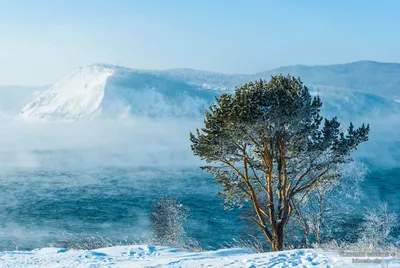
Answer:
x=42 y=40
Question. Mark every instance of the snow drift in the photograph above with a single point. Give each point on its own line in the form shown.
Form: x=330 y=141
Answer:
x=151 y=256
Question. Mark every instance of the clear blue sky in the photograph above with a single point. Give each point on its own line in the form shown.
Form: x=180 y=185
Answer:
x=42 y=40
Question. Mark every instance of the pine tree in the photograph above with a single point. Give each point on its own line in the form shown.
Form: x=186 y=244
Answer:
x=266 y=143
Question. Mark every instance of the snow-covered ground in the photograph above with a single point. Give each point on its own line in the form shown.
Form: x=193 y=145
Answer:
x=151 y=256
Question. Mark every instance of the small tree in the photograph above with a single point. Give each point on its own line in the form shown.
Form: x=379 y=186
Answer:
x=317 y=218
x=377 y=235
x=169 y=217
x=266 y=142
x=378 y=226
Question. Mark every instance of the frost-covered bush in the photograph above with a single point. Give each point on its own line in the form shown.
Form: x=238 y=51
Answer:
x=378 y=226
x=169 y=218
x=318 y=217
x=376 y=234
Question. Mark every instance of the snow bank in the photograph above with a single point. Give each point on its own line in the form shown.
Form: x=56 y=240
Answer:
x=151 y=256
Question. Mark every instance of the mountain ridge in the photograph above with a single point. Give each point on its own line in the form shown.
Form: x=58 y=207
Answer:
x=157 y=92
x=112 y=91
x=379 y=78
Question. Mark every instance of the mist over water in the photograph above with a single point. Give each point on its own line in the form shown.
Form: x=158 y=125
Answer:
x=89 y=144
x=100 y=177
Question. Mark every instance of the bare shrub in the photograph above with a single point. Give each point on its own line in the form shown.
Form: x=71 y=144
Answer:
x=378 y=227
x=375 y=234
x=317 y=216
x=169 y=218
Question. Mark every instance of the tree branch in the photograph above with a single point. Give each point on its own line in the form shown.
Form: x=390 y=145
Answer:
x=310 y=184
x=300 y=179
x=264 y=229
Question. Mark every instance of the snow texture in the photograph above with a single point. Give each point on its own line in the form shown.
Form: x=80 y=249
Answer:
x=77 y=95
x=112 y=91
x=152 y=256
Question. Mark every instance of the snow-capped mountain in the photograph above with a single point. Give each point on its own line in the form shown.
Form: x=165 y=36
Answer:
x=77 y=95
x=110 y=91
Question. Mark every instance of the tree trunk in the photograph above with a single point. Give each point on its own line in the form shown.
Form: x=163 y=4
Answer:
x=277 y=243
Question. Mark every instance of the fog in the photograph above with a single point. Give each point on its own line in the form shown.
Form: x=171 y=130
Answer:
x=382 y=150
x=98 y=143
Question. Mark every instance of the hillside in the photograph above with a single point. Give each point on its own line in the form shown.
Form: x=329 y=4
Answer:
x=376 y=78
x=102 y=90
x=372 y=77
x=111 y=91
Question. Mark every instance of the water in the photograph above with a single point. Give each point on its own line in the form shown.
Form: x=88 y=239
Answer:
x=382 y=185
x=38 y=207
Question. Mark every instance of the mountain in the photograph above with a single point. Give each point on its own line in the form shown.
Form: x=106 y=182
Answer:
x=206 y=79
x=354 y=105
x=112 y=91
x=368 y=76
x=372 y=77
